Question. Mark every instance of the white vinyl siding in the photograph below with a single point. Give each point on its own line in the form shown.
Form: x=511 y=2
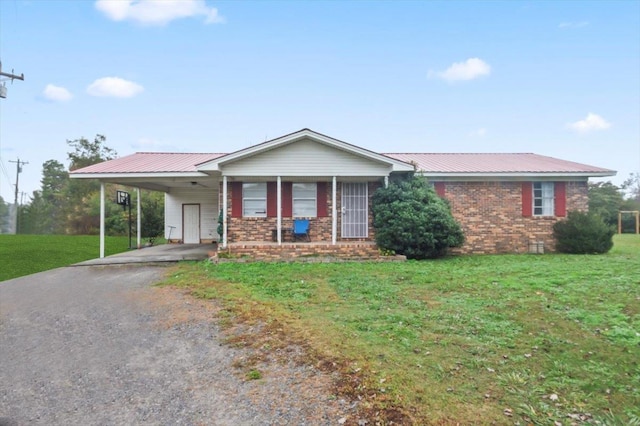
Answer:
x=208 y=200
x=254 y=199
x=543 y=194
x=305 y=200
x=306 y=158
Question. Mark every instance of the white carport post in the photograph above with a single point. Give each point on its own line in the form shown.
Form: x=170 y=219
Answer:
x=101 y=220
x=224 y=212
x=334 y=212
x=279 y=213
x=139 y=227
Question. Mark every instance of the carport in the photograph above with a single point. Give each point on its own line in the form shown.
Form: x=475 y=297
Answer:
x=175 y=175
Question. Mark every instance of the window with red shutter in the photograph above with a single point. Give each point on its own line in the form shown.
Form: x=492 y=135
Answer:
x=287 y=207
x=272 y=199
x=236 y=199
x=527 y=199
x=322 y=199
x=560 y=191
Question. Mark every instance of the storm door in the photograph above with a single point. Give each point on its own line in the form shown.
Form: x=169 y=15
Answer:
x=355 y=217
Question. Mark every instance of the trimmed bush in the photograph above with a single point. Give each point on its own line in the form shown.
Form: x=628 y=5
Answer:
x=583 y=233
x=411 y=219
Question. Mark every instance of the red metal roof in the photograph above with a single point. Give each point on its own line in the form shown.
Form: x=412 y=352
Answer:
x=151 y=162
x=493 y=163
x=161 y=162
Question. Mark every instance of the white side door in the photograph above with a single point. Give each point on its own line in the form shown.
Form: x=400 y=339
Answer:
x=191 y=223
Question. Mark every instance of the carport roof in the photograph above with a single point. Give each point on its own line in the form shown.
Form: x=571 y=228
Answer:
x=150 y=162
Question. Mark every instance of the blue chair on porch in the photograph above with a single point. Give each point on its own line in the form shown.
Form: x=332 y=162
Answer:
x=301 y=229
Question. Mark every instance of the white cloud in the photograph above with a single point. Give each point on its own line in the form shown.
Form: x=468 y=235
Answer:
x=114 y=87
x=56 y=93
x=591 y=123
x=157 y=12
x=468 y=70
x=568 y=25
x=479 y=132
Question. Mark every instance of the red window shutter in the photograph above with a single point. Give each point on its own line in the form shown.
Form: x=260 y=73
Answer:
x=272 y=199
x=321 y=200
x=560 y=202
x=527 y=199
x=236 y=199
x=287 y=199
x=439 y=187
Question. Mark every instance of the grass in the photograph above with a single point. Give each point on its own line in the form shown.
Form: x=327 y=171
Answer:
x=533 y=339
x=27 y=254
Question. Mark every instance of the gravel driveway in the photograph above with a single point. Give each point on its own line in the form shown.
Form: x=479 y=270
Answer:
x=101 y=346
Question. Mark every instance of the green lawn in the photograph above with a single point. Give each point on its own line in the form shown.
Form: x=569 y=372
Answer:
x=534 y=339
x=27 y=254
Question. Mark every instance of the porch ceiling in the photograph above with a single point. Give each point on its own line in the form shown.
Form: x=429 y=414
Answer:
x=165 y=184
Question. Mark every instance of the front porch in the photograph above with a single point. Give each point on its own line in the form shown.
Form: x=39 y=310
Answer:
x=249 y=251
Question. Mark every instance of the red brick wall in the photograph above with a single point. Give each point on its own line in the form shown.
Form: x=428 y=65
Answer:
x=366 y=250
x=490 y=214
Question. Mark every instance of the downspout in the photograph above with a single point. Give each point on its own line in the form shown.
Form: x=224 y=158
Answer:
x=102 y=207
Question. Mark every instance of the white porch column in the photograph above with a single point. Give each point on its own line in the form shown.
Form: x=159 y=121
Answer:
x=101 y=220
x=386 y=181
x=334 y=212
x=224 y=212
x=139 y=215
x=279 y=212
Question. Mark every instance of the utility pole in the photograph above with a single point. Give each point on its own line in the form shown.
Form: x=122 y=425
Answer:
x=10 y=75
x=16 y=209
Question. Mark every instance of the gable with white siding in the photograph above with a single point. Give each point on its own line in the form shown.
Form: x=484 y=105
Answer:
x=305 y=157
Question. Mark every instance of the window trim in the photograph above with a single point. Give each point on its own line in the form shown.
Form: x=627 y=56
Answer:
x=264 y=199
x=294 y=198
x=546 y=203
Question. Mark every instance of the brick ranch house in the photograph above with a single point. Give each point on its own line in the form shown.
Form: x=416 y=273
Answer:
x=504 y=202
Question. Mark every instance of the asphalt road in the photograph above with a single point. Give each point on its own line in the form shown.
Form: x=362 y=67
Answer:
x=101 y=345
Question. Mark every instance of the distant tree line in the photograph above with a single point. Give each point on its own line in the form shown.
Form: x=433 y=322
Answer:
x=72 y=206
x=607 y=199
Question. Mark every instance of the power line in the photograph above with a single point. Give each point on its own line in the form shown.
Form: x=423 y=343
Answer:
x=4 y=172
x=11 y=76
x=19 y=165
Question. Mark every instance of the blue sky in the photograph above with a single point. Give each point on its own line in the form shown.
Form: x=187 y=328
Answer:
x=555 y=78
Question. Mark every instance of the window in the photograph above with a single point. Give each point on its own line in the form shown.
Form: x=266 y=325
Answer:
x=543 y=198
x=254 y=199
x=304 y=200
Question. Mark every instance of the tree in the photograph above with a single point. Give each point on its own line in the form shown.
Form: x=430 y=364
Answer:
x=54 y=181
x=4 y=217
x=152 y=214
x=605 y=200
x=632 y=186
x=86 y=153
x=411 y=219
x=80 y=212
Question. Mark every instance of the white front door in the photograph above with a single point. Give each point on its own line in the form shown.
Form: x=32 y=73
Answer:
x=191 y=223
x=355 y=210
